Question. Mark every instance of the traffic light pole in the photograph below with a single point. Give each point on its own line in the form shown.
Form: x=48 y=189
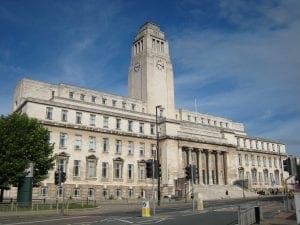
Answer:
x=192 y=180
x=153 y=191
x=157 y=152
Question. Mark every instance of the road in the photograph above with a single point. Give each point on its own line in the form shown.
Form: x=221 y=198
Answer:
x=215 y=213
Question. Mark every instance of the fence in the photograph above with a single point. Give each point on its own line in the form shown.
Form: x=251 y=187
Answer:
x=249 y=214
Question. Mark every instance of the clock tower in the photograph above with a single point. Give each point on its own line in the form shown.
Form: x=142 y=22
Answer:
x=150 y=77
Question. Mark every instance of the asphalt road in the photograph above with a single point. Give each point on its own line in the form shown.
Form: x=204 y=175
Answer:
x=215 y=213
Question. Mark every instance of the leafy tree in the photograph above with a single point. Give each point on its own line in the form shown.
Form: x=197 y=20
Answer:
x=23 y=140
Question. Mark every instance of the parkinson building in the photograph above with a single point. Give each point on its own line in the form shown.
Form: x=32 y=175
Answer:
x=102 y=141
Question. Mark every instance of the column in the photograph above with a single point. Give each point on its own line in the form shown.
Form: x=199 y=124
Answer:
x=208 y=177
x=200 y=180
x=225 y=167
x=190 y=155
x=180 y=163
x=217 y=167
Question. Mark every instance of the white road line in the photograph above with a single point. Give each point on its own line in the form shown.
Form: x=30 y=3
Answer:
x=124 y=221
x=42 y=221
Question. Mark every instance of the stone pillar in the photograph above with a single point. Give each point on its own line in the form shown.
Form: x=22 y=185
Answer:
x=200 y=181
x=208 y=169
x=225 y=167
x=217 y=167
x=180 y=163
x=220 y=166
x=190 y=156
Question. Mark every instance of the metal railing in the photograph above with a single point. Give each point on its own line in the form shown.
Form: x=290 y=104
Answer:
x=249 y=214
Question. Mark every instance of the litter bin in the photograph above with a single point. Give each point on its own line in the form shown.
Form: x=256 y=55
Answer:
x=145 y=209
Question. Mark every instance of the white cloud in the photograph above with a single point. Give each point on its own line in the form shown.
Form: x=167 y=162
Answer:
x=259 y=62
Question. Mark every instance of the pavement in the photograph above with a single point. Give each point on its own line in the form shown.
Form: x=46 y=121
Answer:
x=275 y=214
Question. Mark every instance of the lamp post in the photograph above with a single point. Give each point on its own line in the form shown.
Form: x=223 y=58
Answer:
x=158 y=107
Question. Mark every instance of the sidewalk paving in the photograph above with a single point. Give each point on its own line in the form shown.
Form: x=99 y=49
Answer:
x=274 y=214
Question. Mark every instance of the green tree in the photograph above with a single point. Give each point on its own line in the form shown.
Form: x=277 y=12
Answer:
x=23 y=140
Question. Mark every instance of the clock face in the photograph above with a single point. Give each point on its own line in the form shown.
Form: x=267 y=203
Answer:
x=160 y=64
x=137 y=67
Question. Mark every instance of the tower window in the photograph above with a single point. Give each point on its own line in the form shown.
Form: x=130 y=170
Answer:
x=153 y=43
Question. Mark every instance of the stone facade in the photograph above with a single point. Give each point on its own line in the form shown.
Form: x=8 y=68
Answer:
x=102 y=141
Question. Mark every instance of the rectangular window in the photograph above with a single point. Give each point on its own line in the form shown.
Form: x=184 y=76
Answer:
x=63 y=140
x=76 y=168
x=82 y=97
x=118 y=170
x=71 y=94
x=258 y=161
x=91 y=168
x=142 y=172
x=78 y=141
x=92 y=143
x=118 y=146
x=252 y=160
x=76 y=192
x=265 y=161
x=91 y=193
x=247 y=160
x=118 y=124
x=60 y=191
x=141 y=128
x=105 y=170
x=130 y=125
x=275 y=162
x=78 y=117
x=142 y=149
x=130 y=148
x=270 y=162
x=105 y=121
x=49 y=112
x=104 y=101
x=61 y=165
x=105 y=144
x=114 y=103
x=240 y=160
x=44 y=191
x=124 y=105
x=64 y=115
x=153 y=150
x=130 y=193
x=119 y=193
x=93 y=99
x=105 y=193
x=152 y=127
x=92 y=120
x=130 y=171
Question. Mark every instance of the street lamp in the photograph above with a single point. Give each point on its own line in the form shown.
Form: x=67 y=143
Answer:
x=160 y=108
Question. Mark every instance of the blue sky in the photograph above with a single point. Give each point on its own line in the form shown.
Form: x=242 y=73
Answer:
x=239 y=59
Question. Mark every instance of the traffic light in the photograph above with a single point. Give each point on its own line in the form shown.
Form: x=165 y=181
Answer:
x=287 y=165
x=159 y=170
x=149 y=168
x=188 y=172
x=56 y=178
x=195 y=172
x=63 y=177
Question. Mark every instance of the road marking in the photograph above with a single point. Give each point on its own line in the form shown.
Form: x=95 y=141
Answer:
x=42 y=221
x=124 y=221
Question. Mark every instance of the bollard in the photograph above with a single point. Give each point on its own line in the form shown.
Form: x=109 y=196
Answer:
x=199 y=202
x=145 y=209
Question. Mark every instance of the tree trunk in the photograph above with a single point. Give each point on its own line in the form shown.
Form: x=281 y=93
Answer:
x=1 y=194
